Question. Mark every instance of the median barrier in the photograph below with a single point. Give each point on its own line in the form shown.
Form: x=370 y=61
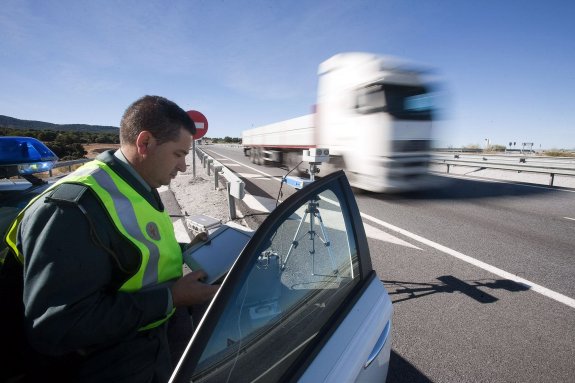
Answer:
x=510 y=164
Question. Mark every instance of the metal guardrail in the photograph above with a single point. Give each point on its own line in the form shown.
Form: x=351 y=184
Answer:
x=521 y=165
x=69 y=164
x=560 y=162
x=235 y=186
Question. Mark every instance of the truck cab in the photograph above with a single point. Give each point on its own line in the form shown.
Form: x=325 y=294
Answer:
x=375 y=114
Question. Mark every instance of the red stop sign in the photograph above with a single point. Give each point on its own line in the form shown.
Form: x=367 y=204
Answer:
x=201 y=123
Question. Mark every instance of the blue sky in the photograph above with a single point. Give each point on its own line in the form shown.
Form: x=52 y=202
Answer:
x=507 y=68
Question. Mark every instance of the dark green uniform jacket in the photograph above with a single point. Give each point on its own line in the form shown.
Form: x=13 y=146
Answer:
x=73 y=270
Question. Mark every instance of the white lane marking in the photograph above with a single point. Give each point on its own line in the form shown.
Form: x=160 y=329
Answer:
x=485 y=266
x=254 y=169
x=259 y=203
x=252 y=176
x=378 y=234
x=572 y=219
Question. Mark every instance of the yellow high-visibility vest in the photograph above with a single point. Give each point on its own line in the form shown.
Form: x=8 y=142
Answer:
x=149 y=229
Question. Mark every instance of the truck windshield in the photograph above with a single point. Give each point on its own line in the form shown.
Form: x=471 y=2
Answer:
x=403 y=102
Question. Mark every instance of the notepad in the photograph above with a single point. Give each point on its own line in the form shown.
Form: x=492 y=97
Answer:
x=217 y=255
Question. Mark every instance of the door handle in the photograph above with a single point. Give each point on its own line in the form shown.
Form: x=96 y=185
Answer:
x=379 y=344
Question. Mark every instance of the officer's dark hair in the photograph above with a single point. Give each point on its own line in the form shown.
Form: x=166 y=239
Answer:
x=158 y=115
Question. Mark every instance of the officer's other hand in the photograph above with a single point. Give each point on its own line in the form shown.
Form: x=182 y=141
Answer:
x=190 y=290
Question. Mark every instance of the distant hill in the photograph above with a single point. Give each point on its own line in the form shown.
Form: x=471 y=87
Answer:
x=14 y=123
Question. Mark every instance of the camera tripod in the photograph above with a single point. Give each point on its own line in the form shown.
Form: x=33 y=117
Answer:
x=312 y=210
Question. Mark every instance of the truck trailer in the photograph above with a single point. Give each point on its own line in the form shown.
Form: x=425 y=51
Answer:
x=373 y=113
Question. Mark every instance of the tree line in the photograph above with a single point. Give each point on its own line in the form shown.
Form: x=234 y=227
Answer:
x=67 y=145
x=225 y=140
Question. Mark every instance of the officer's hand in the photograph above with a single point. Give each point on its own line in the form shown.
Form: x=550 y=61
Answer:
x=201 y=237
x=190 y=290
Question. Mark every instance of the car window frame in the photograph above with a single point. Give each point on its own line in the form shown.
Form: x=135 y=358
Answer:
x=339 y=185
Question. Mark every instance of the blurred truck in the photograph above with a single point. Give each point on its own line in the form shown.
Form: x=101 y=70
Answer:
x=373 y=113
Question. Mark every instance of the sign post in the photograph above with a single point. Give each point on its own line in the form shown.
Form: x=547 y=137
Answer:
x=201 y=123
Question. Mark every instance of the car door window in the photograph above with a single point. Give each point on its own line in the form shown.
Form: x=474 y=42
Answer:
x=296 y=279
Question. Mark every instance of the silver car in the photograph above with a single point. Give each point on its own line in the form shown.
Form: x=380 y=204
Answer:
x=301 y=302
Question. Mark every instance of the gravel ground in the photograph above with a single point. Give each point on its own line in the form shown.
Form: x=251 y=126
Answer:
x=198 y=195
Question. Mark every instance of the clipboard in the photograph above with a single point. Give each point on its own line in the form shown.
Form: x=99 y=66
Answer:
x=217 y=255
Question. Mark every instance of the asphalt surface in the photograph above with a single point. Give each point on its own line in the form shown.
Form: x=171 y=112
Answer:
x=480 y=273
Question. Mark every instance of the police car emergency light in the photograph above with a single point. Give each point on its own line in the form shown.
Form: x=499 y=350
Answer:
x=24 y=156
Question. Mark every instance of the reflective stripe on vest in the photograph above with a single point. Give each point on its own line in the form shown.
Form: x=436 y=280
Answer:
x=150 y=230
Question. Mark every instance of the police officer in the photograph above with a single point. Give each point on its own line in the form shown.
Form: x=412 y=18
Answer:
x=102 y=270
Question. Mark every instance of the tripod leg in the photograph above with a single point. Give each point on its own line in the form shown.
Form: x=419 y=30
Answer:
x=294 y=242
x=312 y=239
x=326 y=242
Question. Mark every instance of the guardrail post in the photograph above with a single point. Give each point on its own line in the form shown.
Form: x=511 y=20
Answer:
x=231 y=203
x=217 y=170
x=551 y=178
x=237 y=188
x=194 y=154
x=210 y=161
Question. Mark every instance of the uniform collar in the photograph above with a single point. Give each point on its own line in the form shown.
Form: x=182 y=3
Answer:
x=125 y=163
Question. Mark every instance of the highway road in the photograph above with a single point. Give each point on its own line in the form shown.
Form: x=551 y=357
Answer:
x=481 y=274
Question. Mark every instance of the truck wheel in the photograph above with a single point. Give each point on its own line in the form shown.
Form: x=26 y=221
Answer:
x=253 y=155
x=259 y=156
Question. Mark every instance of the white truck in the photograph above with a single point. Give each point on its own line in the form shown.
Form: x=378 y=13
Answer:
x=373 y=113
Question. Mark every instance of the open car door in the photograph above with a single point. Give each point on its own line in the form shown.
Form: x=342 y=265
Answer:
x=301 y=302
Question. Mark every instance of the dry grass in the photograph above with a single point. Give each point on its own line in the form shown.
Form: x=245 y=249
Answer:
x=558 y=153
x=95 y=149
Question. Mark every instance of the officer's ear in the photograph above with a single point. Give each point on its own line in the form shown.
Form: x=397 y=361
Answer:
x=145 y=142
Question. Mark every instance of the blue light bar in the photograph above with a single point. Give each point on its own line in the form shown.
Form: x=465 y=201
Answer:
x=28 y=154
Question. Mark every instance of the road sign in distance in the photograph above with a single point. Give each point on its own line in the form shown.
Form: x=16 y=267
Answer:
x=201 y=123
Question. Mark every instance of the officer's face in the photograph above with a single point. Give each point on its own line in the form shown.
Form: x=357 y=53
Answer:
x=164 y=161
